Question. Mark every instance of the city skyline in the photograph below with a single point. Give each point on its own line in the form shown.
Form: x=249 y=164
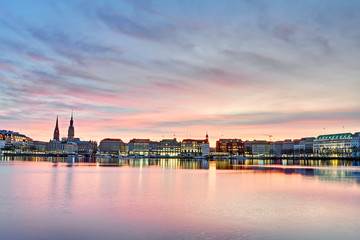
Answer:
x=71 y=137
x=155 y=69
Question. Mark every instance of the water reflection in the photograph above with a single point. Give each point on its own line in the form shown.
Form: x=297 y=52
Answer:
x=74 y=198
x=178 y=163
x=328 y=170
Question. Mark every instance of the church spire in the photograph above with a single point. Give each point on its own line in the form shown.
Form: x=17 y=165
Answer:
x=72 y=119
x=71 y=131
x=56 y=131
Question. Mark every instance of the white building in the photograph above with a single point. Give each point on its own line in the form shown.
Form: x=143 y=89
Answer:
x=260 y=148
x=355 y=144
x=342 y=144
x=194 y=148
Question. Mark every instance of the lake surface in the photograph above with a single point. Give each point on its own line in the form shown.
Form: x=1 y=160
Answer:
x=45 y=198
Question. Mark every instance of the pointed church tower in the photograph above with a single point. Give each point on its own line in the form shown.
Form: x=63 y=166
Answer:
x=56 y=131
x=71 y=131
x=207 y=137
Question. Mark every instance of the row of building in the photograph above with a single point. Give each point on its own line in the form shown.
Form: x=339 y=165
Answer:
x=342 y=144
x=14 y=142
x=163 y=148
x=18 y=143
x=110 y=146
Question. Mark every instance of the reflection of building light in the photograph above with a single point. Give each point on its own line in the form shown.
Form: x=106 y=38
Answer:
x=212 y=166
x=212 y=180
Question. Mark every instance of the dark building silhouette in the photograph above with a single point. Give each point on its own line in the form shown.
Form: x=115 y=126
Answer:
x=71 y=131
x=56 y=131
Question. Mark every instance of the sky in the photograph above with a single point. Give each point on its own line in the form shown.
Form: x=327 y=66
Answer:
x=180 y=68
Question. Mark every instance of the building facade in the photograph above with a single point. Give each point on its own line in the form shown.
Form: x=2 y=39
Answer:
x=112 y=146
x=304 y=146
x=232 y=146
x=12 y=137
x=260 y=148
x=288 y=147
x=2 y=144
x=169 y=148
x=39 y=146
x=341 y=144
x=194 y=148
x=248 y=147
x=86 y=147
x=276 y=148
x=139 y=147
x=154 y=148
x=58 y=147
x=54 y=147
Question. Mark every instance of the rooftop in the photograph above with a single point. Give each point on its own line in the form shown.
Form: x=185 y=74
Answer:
x=335 y=136
x=111 y=140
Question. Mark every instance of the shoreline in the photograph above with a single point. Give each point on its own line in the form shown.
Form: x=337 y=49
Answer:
x=211 y=157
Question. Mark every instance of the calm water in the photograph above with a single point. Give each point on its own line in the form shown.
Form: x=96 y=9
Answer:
x=176 y=199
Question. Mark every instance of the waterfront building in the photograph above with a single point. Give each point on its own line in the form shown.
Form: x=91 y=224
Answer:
x=71 y=130
x=304 y=146
x=39 y=146
x=154 y=148
x=86 y=147
x=260 y=148
x=287 y=147
x=341 y=144
x=70 y=148
x=309 y=144
x=14 y=138
x=248 y=147
x=70 y=144
x=14 y=141
x=169 y=147
x=56 y=130
x=55 y=147
x=126 y=148
x=205 y=149
x=232 y=146
x=191 y=147
x=195 y=148
x=276 y=148
x=2 y=144
x=112 y=146
x=65 y=147
x=355 y=143
x=139 y=147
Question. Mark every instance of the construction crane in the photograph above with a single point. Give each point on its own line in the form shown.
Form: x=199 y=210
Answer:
x=270 y=136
